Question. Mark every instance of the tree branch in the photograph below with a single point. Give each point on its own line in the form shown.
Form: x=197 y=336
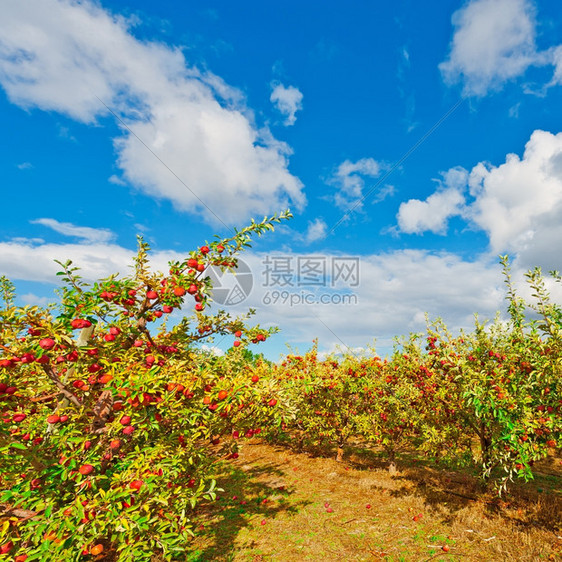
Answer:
x=51 y=373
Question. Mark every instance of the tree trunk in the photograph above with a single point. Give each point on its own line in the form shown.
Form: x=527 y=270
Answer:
x=392 y=462
x=341 y=444
x=485 y=443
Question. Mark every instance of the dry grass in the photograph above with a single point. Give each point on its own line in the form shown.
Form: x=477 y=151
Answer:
x=294 y=524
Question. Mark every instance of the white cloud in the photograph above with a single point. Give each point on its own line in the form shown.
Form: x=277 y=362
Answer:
x=518 y=204
x=89 y=235
x=316 y=230
x=349 y=181
x=287 y=100
x=216 y=154
x=213 y=350
x=34 y=300
x=556 y=54
x=115 y=179
x=405 y=90
x=64 y=133
x=494 y=42
x=415 y=216
x=29 y=261
x=549 y=57
x=383 y=192
x=24 y=166
x=66 y=56
x=142 y=227
x=26 y=241
x=514 y=110
x=342 y=350
x=394 y=292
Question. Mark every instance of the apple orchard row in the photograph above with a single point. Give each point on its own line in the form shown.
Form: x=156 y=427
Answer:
x=113 y=425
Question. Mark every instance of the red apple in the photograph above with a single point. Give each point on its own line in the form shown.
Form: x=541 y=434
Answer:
x=136 y=484
x=86 y=469
x=47 y=343
x=27 y=358
x=96 y=549
x=179 y=291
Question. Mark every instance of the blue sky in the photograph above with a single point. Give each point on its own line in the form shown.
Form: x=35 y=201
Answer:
x=419 y=139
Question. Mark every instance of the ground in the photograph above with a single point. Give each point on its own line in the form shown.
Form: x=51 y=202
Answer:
x=281 y=505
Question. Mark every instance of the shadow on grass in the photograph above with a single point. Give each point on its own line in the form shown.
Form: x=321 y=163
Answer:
x=251 y=495
x=529 y=505
x=524 y=504
x=451 y=489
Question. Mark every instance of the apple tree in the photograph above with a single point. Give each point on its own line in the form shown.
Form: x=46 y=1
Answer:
x=108 y=412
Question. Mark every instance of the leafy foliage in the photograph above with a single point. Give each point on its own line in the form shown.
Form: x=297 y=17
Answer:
x=112 y=425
